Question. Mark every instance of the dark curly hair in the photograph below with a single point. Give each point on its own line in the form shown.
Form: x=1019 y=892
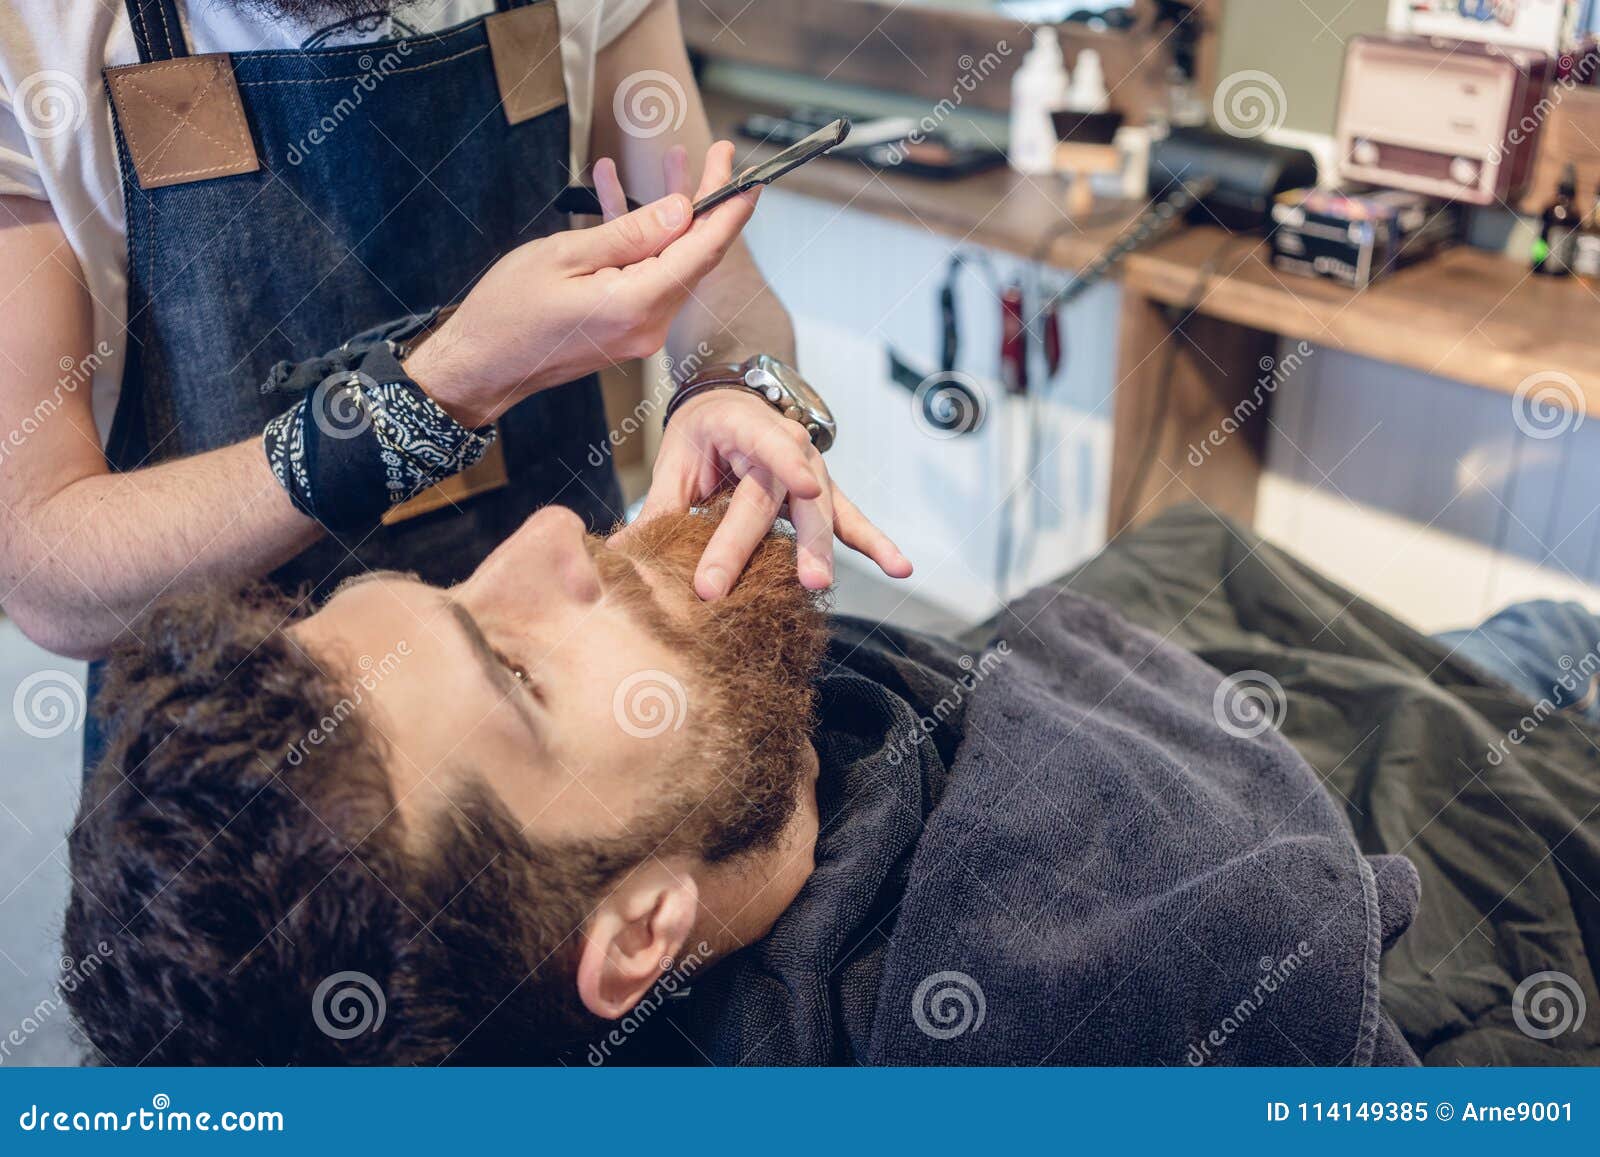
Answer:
x=253 y=899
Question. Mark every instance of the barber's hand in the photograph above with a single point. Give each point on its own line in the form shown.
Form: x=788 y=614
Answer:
x=727 y=436
x=724 y=435
x=564 y=306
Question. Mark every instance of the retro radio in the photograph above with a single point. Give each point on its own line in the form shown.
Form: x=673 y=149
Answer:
x=1449 y=118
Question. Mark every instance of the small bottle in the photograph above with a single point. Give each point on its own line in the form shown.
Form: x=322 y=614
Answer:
x=1586 y=249
x=1088 y=91
x=1038 y=89
x=1558 y=229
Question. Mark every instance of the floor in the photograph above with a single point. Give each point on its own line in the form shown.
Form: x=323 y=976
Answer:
x=39 y=792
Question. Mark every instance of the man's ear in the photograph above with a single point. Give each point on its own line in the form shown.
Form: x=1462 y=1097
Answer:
x=634 y=937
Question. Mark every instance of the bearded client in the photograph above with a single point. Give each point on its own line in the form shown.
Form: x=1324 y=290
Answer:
x=541 y=801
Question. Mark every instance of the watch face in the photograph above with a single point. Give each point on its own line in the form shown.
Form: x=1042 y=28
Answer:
x=783 y=386
x=769 y=369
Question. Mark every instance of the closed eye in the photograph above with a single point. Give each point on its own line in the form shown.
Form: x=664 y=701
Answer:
x=520 y=673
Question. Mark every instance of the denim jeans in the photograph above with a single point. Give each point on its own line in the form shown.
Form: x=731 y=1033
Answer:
x=1542 y=649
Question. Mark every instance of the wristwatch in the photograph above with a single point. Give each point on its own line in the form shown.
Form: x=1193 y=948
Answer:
x=778 y=384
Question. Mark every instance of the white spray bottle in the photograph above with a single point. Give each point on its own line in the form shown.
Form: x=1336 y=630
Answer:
x=1039 y=88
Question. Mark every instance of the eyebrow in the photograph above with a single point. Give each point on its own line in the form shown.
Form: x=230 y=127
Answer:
x=493 y=669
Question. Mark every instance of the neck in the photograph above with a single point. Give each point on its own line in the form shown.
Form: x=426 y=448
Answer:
x=741 y=900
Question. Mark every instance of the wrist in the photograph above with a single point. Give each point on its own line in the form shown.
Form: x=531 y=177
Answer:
x=440 y=366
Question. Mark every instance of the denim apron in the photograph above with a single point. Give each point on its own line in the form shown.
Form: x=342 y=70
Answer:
x=378 y=194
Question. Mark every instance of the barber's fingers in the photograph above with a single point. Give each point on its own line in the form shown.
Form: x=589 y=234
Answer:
x=674 y=482
x=718 y=169
x=725 y=429
x=632 y=237
x=748 y=520
x=675 y=170
x=812 y=519
x=760 y=435
x=691 y=257
x=857 y=532
x=608 y=187
x=685 y=262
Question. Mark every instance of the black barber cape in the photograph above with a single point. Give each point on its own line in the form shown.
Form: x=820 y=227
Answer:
x=1047 y=850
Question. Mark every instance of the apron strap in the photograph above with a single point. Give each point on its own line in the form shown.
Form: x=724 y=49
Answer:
x=508 y=5
x=156 y=29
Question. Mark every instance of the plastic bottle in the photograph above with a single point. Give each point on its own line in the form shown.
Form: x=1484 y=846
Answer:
x=1088 y=91
x=1039 y=88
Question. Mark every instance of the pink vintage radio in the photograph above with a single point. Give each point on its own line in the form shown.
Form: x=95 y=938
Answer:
x=1450 y=118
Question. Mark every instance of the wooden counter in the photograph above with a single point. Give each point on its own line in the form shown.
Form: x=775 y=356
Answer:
x=1468 y=314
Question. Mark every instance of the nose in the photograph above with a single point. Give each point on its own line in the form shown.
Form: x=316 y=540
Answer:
x=545 y=561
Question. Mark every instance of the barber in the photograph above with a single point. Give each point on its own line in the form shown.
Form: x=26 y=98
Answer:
x=232 y=259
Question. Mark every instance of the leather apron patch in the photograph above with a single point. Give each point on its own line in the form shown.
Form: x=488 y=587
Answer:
x=525 y=44
x=182 y=120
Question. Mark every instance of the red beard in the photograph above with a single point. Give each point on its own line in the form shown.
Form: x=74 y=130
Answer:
x=755 y=654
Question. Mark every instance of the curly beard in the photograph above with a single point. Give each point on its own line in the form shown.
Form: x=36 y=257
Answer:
x=755 y=653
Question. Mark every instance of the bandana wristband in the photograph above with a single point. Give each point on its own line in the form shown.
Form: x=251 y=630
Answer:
x=365 y=437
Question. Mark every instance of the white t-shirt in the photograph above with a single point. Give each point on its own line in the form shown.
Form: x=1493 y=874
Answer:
x=56 y=137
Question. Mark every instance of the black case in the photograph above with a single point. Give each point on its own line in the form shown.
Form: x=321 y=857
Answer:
x=1249 y=173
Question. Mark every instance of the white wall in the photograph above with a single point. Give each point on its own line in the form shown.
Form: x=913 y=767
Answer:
x=856 y=284
x=1419 y=493
x=1425 y=496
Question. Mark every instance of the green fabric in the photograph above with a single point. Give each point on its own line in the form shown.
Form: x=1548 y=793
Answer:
x=1414 y=743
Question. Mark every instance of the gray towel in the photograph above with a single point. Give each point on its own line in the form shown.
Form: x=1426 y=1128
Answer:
x=1075 y=865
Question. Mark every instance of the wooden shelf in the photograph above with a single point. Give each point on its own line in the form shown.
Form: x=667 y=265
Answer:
x=1467 y=314
x=1470 y=315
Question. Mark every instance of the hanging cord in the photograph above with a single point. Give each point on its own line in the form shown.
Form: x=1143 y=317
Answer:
x=1151 y=226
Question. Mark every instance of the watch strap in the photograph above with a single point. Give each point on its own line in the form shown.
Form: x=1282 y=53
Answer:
x=727 y=376
x=698 y=385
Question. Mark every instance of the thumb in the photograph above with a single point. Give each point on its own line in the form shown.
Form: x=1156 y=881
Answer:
x=632 y=237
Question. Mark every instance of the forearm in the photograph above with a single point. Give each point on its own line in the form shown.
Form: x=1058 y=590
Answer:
x=732 y=315
x=82 y=564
